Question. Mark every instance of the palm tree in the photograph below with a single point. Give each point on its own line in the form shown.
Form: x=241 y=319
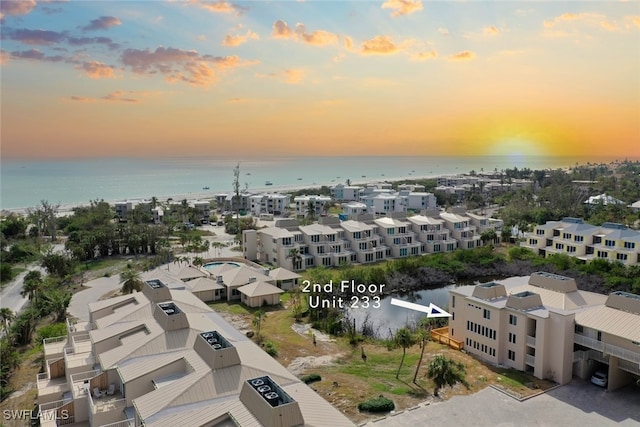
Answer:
x=424 y=335
x=198 y=261
x=489 y=235
x=296 y=258
x=130 y=281
x=445 y=371
x=311 y=210
x=6 y=317
x=33 y=284
x=505 y=234
x=56 y=302
x=403 y=338
x=257 y=320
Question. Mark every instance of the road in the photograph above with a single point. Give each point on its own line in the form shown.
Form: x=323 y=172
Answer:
x=10 y=294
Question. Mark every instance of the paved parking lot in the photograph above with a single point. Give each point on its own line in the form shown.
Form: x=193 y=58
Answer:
x=578 y=403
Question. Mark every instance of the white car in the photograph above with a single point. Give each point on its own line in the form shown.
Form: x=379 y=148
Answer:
x=599 y=378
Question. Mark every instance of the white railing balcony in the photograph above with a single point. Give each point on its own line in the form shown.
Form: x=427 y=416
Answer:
x=531 y=341
x=588 y=342
x=53 y=405
x=529 y=359
x=622 y=353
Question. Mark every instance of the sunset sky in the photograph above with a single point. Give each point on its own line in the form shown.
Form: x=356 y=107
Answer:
x=395 y=77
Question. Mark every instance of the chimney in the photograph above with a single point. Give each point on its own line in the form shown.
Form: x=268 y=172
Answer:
x=219 y=279
x=252 y=279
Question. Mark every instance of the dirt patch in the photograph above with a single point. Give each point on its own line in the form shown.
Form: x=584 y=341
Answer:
x=305 y=329
x=26 y=394
x=301 y=365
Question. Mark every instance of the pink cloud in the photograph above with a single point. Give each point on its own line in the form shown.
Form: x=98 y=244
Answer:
x=16 y=7
x=102 y=23
x=180 y=65
x=291 y=76
x=379 y=45
x=220 y=6
x=97 y=70
x=281 y=30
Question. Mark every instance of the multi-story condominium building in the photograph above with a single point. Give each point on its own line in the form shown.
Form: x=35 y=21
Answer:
x=316 y=201
x=573 y=237
x=363 y=239
x=433 y=234
x=417 y=188
x=343 y=193
x=456 y=180
x=203 y=207
x=460 y=191
x=549 y=328
x=462 y=230
x=275 y=204
x=157 y=215
x=384 y=203
x=161 y=357
x=124 y=209
x=353 y=209
x=398 y=237
x=484 y=223
x=419 y=201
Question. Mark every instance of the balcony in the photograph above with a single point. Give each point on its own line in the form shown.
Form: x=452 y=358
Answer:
x=80 y=382
x=53 y=347
x=530 y=360
x=129 y=422
x=74 y=359
x=588 y=342
x=531 y=341
x=622 y=353
x=56 y=413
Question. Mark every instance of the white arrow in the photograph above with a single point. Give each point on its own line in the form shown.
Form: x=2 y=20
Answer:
x=432 y=310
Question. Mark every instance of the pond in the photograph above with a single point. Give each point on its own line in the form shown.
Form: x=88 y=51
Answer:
x=391 y=317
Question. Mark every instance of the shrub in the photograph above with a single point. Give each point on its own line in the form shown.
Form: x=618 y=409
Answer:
x=311 y=378
x=51 y=331
x=270 y=348
x=377 y=404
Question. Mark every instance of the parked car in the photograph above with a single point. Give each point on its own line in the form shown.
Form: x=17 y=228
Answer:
x=599 y=378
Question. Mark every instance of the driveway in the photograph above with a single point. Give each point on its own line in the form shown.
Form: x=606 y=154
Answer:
x=578 y=403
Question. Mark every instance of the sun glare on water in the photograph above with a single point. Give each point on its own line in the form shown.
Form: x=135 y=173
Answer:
x=517 y=150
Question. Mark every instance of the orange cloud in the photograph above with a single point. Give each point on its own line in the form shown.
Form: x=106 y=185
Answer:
x=465 y=55
x=117 y=96
x=220 y=6
x=379 y=45
x=230 y=40
x=291 y=76
x=97 y=70
x=424 y=56
x=348 y=42
x=281 y=30
x=4 y=57
x=402 y=7
x=180 y=65
x=490 y=31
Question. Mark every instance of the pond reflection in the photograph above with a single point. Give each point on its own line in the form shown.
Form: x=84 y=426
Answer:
x=388 y=318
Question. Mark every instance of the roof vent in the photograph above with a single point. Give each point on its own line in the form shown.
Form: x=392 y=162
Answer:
x=169 y=316
x=269 y=403
x=624 y=301
x=156 y=290
x=216 y=350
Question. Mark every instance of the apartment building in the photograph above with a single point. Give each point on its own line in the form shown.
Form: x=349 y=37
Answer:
x=573 y=237
x=384 y=203
x=418 y=201
x=162 y=357
x=317 y=202
x=353 y=209
x=275 y=204
x=124 y=208
x=549 y=328
x=346 y=193
x=462 y=230
x=363 y=239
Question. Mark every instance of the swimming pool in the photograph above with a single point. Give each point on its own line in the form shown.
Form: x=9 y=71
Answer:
x=210 y=265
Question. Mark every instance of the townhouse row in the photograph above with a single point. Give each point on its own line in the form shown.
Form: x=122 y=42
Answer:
x=574 y=237
x=547 y=327
x=334 y=242
x=162 y=357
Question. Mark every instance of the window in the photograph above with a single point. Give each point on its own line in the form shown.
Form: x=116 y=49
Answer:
x=453 y=315
x=368 y=257
x=320 y=250
x=609 y=243
x=403 y=251
x=512 y=338
x=286 y=241
x=486 y=314
x=578 y=329
x=571 y=249
x=540 y=232
x=559 y=246
x=566 y=235
x=513 y=320
x=453 y=301
x=599 y=336
x=326 y=262
x=579 y=238
x=621 y=257
x=436 y=248
x=391 y=231
x=603 y=254
x=511 y=355
x=629 y=245
x=315 y=239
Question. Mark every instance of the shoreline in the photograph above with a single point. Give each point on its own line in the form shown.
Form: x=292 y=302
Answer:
x=67 y=208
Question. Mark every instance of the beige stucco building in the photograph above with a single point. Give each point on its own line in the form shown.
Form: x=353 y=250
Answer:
x=545 y=326
x=161 y=357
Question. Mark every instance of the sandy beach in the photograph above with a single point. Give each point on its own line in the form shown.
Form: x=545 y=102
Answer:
x=67 y=209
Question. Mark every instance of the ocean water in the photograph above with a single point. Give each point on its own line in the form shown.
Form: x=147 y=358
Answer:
x=26 y=183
